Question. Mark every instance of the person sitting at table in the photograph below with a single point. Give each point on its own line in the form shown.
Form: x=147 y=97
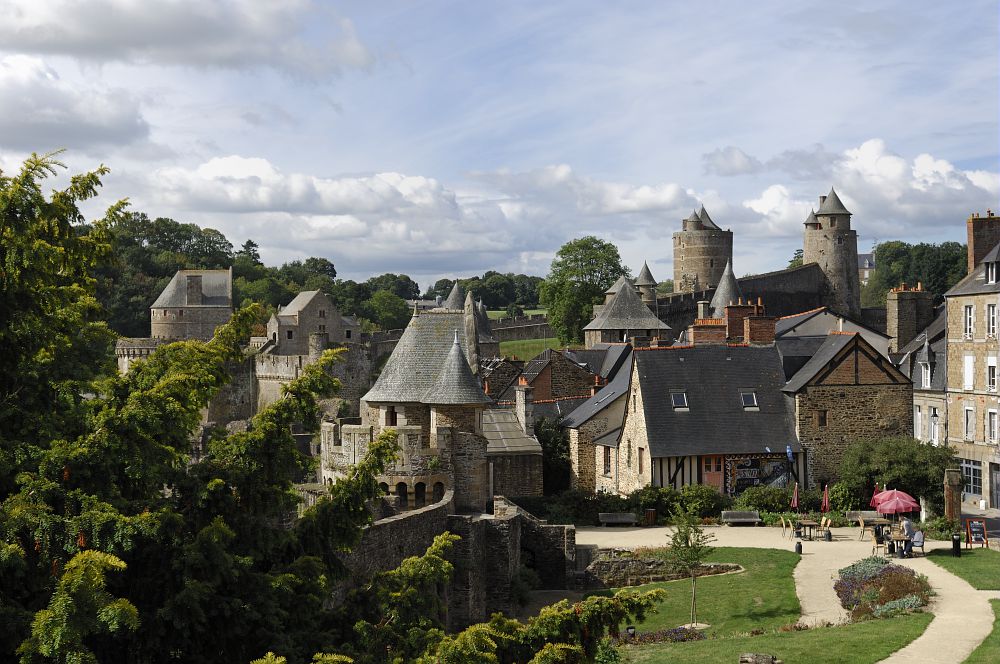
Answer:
x=908 y=532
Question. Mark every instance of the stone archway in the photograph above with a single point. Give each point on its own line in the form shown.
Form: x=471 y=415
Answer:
x=402 y=492
x=438 y=492
x=419 y=494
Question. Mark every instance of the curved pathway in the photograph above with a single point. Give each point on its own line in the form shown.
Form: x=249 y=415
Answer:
x=962 y=614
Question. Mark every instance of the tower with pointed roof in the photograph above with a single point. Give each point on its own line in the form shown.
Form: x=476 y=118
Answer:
x=830 y=242
x=646 y=285
x=701 y=251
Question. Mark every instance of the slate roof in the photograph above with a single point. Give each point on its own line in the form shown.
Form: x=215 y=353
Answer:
x=645 y=277
x=934 y=331
x=557 y=408
x=455 y=384
x=914 y=352
x=298 y=303
x=694 y=216
x=608 y=394
x=974 y=283
x=536 y=365
x=832 y=205
x=866 y=261
x=455 y=299
x=707 y=220
x=811 y=219
x=796 y=351
x=504 y=434
x=716 y=421
x=992 y=256
x=418 y=358
x=617 y=286
x=786 y=323
x=609 y=438
x=216 y=288
x=626 y=311
x=728 y=291
x=832 y=344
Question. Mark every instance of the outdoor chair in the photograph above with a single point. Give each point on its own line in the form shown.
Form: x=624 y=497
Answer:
x=878 y=543
x=917 y=542
x=861 y=522
x=785 y=528
x=824 y=527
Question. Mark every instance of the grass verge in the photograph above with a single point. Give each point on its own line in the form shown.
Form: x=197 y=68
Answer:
x=980 y=567
x=762 y=597
x=988 y=651
x=527 y=348
x=859 y=643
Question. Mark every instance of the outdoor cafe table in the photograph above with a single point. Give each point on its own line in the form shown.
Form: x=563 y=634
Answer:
x=898 y=539
x=809 y=525
x=879 y=523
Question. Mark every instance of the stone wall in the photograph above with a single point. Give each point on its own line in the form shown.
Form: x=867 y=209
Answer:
x=516 y=474
x=189 y=322
x=620 y=568
x=700 y=258
x=632 y=443
x=908 y=312
x=535 y=326
x=853 y=412
x=237 y=399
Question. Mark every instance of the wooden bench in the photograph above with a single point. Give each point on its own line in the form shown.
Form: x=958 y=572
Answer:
x=732 y=518
x=617 y=518
x=867 y=515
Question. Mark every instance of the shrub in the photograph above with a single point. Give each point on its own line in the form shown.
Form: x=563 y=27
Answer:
x=897 y=606
x=663 y=499
x=940 y=528
x=523 y=583
x=673 y=635
x=873 y=587
x=607 y=653
x=842 y=499
x=864 y=569
x=764 y=499
x=703 y=500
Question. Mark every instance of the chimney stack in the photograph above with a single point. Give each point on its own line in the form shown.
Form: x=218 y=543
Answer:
x=524 y=408
x=703 y=306
x=759 y=330
x=983 y=234
x=195 y=295
x=706 y=331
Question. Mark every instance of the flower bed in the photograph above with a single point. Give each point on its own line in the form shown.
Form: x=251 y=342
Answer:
x=875 y=588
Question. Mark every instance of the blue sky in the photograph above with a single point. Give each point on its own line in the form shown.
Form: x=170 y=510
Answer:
x=446 y=139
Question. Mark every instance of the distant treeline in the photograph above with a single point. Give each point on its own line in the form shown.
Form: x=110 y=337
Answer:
x=147 y=253
x=937 y=266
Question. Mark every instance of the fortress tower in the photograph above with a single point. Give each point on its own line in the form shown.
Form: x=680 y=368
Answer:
x=831 y=243
x=701 y=251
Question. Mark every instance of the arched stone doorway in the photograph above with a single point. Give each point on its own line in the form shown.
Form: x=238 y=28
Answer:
x=438 y=491
x=401 y=491
x=419 y=494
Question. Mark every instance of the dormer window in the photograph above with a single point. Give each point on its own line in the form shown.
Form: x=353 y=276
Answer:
x=991 y=273
x=749 y=399
x=679 y=400
x=925 y=376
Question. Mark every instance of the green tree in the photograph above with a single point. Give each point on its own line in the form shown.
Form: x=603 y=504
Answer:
x=554 y=440
x=937 y=266
x=902 y=463
x=387 y=310
x=582 y=270
x=251 y=251
x=665 y=287
x=397 y=284
x=689 y=546
x=796 y=259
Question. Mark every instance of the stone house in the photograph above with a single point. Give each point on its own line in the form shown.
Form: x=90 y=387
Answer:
x=971 y=366
x=309 y=312
x=623 y=316
x=553 y=374
x=925 y=360
x=735 y=405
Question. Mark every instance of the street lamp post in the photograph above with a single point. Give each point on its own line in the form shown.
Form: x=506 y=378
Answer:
x=934 y=428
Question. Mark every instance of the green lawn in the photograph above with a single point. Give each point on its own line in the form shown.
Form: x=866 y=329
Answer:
x=980 y=567
x=500 y=313
x=528 y=348
x=762 y=597
x=859 y=643
x=988 y=651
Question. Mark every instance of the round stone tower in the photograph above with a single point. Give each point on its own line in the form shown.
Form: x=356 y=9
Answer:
x=831 y=243
x=701 y=251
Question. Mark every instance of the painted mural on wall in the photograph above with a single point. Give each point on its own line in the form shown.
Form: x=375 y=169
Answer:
x=745 y=471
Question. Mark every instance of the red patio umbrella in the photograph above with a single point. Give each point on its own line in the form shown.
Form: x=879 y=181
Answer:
x=896 y=503
x=874 y=502
x=795 y=497
x=825 y=506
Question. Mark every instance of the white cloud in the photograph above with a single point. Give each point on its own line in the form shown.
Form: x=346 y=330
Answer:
x=730 y=161
x=231 y=34
x=39 y=111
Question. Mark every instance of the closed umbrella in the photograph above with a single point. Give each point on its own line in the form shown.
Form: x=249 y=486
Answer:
x=825 y=506
x=874 y=502
x=795 y=497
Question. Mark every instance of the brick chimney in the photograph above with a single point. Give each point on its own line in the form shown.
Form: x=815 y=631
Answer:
x=908 y=310
x=194 y=292
x=707 y=331
x=596 y=387
x=983 y=235
x=759 y=330
x=735 y=313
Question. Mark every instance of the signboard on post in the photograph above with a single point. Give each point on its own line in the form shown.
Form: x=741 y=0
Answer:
x=975 y=532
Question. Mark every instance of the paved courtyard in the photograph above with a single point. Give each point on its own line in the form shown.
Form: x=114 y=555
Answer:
x=962 y=614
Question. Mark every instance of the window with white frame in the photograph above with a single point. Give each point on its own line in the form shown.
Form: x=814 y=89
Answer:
x=969 y=321
x=679 y=400
x=918 y=428
x=991 y=373
x=991 y=427
x=972 y=473
x=925 y=375
x=748 y=398
x=969 y=375
x=991 y=320
x=991 y=273
x=970 y=423
x=934 y=425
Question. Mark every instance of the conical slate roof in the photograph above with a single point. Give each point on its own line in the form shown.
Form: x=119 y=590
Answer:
x=705 y=219
x=645 y=277
x=617 y=286
x=626 y=311
x=811 y=219
x=694 y=216
x=832 y=205
x=456 y=299
x=455 y=385
x=727 y=291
